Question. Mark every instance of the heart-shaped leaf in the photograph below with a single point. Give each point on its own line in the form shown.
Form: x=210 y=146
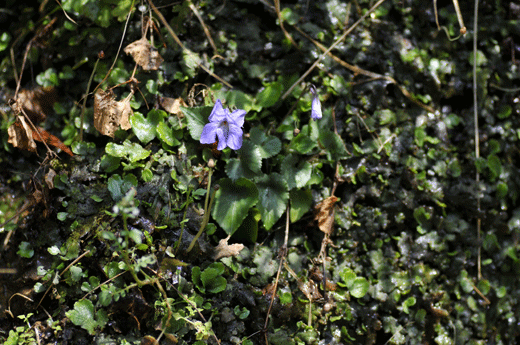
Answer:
x=232 y=203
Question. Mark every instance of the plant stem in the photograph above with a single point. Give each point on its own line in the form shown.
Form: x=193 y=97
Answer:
x=207 y=210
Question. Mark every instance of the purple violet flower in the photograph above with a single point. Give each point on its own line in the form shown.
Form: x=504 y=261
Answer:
x=225 y=126
x=315 y=105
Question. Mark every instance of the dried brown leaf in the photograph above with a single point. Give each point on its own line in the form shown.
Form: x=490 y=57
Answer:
x=36 y=103
x=21 y=135
x=144 y=54
x=42 y=135
x=109 y=114
x=224 y=250
x=173 y=105
x=325 y=214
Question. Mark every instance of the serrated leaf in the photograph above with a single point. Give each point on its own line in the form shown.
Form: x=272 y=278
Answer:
x=232 y=202
x=165 y=134
x=296 y=174
x=333 y=144
x=248 y=164
x=145 y=128
x=302 y=144
x=83 y=315
x=269 y=95
x=272 y=198
x=235 y=170
x=239 y=99
x=248 y=230
x=250 y=156
x=268 y=145
x=301 y=201
x=197 y=117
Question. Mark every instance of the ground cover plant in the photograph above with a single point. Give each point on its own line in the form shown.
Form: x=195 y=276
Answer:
x=259 y=172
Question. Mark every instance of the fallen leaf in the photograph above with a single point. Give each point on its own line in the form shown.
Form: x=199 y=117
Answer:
x=224 y=250
x=325 y=214
x=144 y=54
x=109 y=114
x=173 y=105
x=20 y=135
x=49 y=178
x=42 y=135
x=36 y=103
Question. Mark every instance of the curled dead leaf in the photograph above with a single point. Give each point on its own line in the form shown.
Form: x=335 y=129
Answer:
x=23 y=137
x=224 y=250
x=325 y=214
x=109 y=114
x=20 y=135
x=173 y=105
x=144 y=54
x=36 y=103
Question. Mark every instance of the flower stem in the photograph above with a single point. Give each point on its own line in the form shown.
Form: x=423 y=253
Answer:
x=207 y=210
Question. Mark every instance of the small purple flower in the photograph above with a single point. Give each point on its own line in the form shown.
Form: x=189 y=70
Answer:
x=316 y=105
x=225 y=126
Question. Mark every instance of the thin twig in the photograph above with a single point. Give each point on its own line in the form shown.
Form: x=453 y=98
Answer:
x=204 y=27
x=345 y=34
x=477 y=140
x=283 y=254
x=373 y=75
x=186 y=50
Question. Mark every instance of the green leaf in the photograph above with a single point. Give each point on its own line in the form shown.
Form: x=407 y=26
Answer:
x=359 y=287
x=267 y=145
x=83 y=315
x=25 y=250
x=197 y=117
x=248 y=230
x=109 y=163
x=212 y=278
x=195 y=277
x=333 y=144
x=5 y=38
x=131 y=151
x=248 y=164
x=165 y=134
x=301 y=201
x=296 y=172
x=273 y=197
x=409 y=302
x=232 y=201
x=348 y=276
x=269 y=95
x=119 y=187
x=495 y=166
x=302 y=144
x=145 y=129
x=240 y=100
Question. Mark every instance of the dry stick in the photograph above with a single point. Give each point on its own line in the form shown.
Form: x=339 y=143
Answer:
x=280 y=20
x=459 y=18
x=118 y=50
x=84 y=105
x=345 y=34
x=204 y=27
x=477 y=142
x=186 y=50
x=373 y=75
x=283 y=254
